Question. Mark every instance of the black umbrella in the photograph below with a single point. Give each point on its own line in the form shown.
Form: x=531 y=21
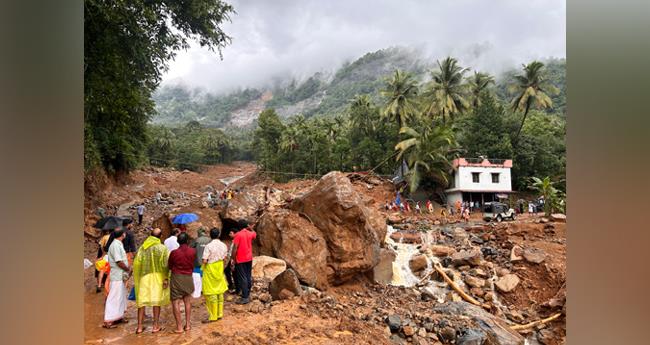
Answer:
x=109 y=223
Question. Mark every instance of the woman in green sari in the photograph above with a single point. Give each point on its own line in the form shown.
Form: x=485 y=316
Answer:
x=214 y=280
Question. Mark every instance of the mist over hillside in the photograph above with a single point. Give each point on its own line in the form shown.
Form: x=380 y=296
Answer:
x=324 y=93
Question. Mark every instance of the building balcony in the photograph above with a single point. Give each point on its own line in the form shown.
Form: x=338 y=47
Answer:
x=482 y=162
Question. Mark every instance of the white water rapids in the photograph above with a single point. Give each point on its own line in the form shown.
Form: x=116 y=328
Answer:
x=403 y=276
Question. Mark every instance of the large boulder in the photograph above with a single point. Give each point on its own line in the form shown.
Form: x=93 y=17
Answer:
x=285 y=285
x=266 y=267
x=208 y=219
x=286 y=235
x=354 y=232
x=383 y=272
x=483 y=328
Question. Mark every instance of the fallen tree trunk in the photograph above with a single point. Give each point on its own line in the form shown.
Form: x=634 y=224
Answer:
x=535 y=323
x=456 y=288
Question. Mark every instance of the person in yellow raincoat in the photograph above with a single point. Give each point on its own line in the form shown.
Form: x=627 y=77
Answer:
x=151 y=279
x=214 y=280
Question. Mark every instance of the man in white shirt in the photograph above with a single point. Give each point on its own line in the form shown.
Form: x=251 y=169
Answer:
x=120 y=271
x=172 y=241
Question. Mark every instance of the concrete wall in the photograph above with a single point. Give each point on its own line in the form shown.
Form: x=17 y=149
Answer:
x=453 y=197
x=463 y=179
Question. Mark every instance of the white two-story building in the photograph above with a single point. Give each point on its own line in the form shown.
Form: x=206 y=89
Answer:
x=479 y=179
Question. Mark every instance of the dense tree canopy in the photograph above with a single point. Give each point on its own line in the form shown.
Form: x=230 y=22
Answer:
x=369 y=137
x=127 y=45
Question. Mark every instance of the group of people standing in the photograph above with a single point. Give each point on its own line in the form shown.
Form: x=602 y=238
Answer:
x=462 y=209
x=167 y=272
x=405 y=206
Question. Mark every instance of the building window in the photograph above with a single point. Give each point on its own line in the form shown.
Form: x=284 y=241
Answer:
x=475 y=177
x=495 y=177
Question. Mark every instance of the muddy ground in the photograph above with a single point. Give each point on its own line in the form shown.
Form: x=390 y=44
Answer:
x=357 y=311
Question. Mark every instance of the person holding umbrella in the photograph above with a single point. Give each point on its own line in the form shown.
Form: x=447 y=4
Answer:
x=184 y=218
x=102 y=267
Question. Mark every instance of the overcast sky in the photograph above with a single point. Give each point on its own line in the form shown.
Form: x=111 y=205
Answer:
x=301 y=37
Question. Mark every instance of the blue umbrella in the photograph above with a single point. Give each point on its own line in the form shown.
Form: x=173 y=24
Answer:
x=185 y=218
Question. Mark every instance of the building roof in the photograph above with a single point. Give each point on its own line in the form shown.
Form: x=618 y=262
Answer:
x=481 y=162
x=452 y=190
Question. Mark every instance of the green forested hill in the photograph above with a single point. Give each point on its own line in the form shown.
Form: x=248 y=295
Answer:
x=320 y=94
x=317 y=95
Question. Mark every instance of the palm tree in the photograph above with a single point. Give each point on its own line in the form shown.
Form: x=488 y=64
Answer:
x=547 y=190
x=361 y=114
x=446 y=91
x=427 y=152
x=400 y=93
x=165 y=140
x=289 y=143
x=477 y=84
x=532 y=90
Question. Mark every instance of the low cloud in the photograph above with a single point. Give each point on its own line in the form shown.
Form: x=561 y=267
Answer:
x=276 y=39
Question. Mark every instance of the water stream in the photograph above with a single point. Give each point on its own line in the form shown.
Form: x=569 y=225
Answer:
x=402 y=275
x=228 y=180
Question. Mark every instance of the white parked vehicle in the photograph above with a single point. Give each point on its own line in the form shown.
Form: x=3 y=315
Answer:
x=497 y=211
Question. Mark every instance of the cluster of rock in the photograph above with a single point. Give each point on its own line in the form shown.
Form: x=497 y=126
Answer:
x=327 y=236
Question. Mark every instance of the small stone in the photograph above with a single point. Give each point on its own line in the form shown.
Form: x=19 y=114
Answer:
x=422 y=332
x=467 y=257
x=265 y=297
x=395 y=339
x=507 y=283
x=447 y=334
x=489 y=296
x=474 y=282
x=545 y=336
x=285 y=294
x=480 y=272
x=558 y=217
x=471 y=337
x=256 y=307
x=534 y=255
x=394 y=322
x=418 y=263
x=441 y=251
x=476 y=291
x=515 y=253
x=408 y=331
